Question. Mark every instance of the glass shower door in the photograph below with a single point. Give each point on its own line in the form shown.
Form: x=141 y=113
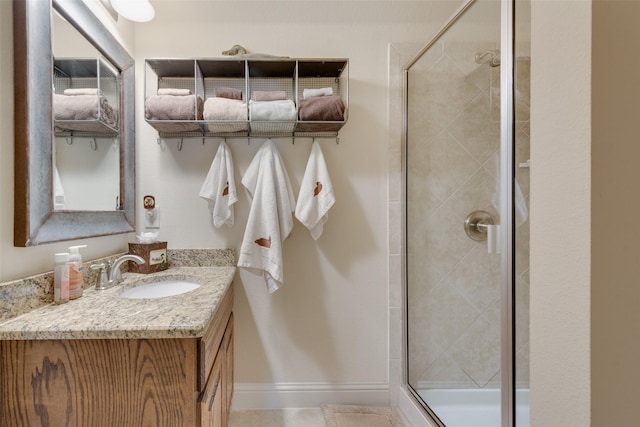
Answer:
x=454 y=259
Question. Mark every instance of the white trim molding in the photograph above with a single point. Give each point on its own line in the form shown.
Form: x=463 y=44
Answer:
x=307 y=395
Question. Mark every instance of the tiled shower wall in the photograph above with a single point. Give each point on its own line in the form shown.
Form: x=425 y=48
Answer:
x=453 y=163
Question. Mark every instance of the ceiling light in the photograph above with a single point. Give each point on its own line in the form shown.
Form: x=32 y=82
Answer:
x=134 y=10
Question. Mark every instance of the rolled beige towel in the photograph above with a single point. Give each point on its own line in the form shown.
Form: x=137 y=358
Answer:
x=230 y=115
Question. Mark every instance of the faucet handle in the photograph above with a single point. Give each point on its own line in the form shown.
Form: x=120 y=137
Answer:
x=101 y=282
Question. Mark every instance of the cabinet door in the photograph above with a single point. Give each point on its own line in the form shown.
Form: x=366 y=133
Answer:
x=227 y=349
x=211 y=403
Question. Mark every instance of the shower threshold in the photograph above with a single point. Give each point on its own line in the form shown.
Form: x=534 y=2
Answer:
x=474 y=407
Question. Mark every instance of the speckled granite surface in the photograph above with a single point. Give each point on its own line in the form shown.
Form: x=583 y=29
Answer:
x=105 y=314
x=22 y=296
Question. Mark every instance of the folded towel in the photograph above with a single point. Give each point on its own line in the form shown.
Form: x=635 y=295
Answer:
x=322 y=108
x=224 y=109
x=219 y=187
x=316 y=193
x=284 y=110
x=227 y=92
x=310 y=93
x=174 y=91
x=83 y=91
x=270 y=95
x=270 y=221
x=170 y=107
x=79 y=108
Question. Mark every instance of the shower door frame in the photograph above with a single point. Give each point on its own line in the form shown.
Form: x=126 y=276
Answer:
x=507 y=211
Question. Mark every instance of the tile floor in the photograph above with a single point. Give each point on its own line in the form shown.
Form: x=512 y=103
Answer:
x=295 y=417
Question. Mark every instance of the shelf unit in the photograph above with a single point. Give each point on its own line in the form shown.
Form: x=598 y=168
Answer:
x=87 y=73
x=203 y=75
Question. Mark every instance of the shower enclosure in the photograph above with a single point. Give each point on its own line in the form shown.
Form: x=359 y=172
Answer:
x=466 y=257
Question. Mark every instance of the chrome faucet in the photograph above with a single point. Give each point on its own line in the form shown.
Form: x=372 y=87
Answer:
x=110 y=273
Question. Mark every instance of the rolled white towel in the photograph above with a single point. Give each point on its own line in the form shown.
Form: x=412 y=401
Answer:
x=83 y=91
x=310 y=93
x=272 y=110
x=174 y=92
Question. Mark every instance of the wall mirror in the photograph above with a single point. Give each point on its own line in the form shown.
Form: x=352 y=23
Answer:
x=40 y=142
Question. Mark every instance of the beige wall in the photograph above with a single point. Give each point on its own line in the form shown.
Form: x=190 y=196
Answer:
x=615 y=293
x=328 y=323
x=560 y=213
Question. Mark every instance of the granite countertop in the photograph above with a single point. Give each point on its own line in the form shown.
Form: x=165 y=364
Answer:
x=106 y=315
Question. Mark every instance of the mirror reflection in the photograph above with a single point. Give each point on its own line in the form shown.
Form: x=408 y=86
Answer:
x=86 y=88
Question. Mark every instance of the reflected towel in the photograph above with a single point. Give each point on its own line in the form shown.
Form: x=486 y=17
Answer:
x=322 y=108
x=270 y=221
x=219 y=187
x=170 y=107
x=272 y=110
x=83 y=107
x=316 y=193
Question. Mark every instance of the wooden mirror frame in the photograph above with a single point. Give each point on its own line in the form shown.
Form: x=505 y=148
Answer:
x=35 y=220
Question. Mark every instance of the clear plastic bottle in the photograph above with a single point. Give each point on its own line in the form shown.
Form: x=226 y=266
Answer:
x=61 y=278
x=76 y=279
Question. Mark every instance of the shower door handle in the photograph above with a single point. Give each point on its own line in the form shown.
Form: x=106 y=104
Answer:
x=477 y=225
x=480 y=226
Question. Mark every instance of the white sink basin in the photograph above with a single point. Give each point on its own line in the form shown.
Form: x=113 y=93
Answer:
x=162 y=289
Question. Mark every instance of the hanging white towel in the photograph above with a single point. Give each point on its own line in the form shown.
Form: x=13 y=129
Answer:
x=58 y=190
x=316 y=193
x=270 y=216
x=219 y=187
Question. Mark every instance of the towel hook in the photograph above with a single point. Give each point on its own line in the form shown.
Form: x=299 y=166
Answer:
x=69 y=140
x=180 y=144
x=94 y=144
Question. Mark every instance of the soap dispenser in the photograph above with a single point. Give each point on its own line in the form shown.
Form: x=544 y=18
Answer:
x=61 y=278
x=76 y=279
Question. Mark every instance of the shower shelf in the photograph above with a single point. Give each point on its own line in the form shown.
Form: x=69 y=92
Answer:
x=526 y=164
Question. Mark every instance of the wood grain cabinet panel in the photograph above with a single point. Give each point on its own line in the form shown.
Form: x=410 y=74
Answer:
x=118 y=382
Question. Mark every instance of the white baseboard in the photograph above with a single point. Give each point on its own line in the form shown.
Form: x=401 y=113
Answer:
x=307 y=395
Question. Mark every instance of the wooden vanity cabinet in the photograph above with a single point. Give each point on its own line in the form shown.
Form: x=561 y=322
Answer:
x=120 y=382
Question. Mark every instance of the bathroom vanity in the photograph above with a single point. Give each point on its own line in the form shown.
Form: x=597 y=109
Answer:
x=106 y=360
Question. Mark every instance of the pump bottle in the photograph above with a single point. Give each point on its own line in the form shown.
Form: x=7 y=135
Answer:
x=61 y=278
x=76 y=279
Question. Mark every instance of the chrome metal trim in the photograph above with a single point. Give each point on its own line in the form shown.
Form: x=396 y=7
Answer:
x=507 y=174
x=457 y=14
